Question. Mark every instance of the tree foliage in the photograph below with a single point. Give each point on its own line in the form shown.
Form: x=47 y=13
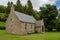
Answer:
x=9 y=4
x=30 y=8
x=18 y=6
x=49 y=14
x=2 y=9
x=3 y=17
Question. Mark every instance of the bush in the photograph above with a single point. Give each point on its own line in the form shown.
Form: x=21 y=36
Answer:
x=3 y=17
x=2 y=25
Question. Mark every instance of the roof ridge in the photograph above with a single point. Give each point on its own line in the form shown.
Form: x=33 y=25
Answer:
x=24 y=14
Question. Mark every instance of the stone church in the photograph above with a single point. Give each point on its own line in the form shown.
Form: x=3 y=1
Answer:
x=20 y=23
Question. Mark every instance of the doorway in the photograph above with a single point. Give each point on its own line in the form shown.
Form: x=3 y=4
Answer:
x=43 y=29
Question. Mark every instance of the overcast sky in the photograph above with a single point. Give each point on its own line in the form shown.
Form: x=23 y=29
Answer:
x=36 y=3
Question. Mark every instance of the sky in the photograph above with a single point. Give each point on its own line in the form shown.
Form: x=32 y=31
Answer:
x=36 y=3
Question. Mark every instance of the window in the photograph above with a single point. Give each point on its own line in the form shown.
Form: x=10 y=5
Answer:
x=25 y=26
x=31 y=26
x=12 y=20
x=42 y=29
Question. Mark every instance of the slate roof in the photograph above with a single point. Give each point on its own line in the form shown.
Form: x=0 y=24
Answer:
x=38 y=23
x=25 y=18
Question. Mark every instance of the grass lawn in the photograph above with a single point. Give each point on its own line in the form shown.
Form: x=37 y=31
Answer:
x=47 y=36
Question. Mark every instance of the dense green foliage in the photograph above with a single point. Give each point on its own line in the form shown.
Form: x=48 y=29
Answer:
x=49 y=14
x=18 y=6
x=2 y=9
x=58 y=25
x=38 y=36
x=30 y=8
x=9 y=4
x=2 y=25
x=3 y=17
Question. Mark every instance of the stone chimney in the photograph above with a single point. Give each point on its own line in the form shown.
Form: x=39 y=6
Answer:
x=12 y=9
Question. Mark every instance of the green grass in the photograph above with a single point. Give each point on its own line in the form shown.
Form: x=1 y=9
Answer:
x=47 y=36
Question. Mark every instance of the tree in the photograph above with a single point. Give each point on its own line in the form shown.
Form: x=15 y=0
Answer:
x=25 y=9
x=3 y=17
x=36 y=15
x=18 y=6
x=58 y=23
x=30 y=8
x=49 y=14
x=2 y=9
x=8 y=8
x=59 y=14
x=9 y=4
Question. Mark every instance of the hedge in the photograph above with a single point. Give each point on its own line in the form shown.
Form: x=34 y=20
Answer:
x=2 y=25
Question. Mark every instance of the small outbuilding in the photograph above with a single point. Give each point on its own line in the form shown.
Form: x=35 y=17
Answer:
x=20 y=23
x=40 y=28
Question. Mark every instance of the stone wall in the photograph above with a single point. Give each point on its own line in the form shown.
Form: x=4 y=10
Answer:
x=38 y=29
x=15 y=26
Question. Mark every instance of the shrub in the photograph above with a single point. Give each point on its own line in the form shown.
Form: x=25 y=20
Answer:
x=2 y=25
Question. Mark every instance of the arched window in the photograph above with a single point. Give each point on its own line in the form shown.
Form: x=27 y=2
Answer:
x=12 y=20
